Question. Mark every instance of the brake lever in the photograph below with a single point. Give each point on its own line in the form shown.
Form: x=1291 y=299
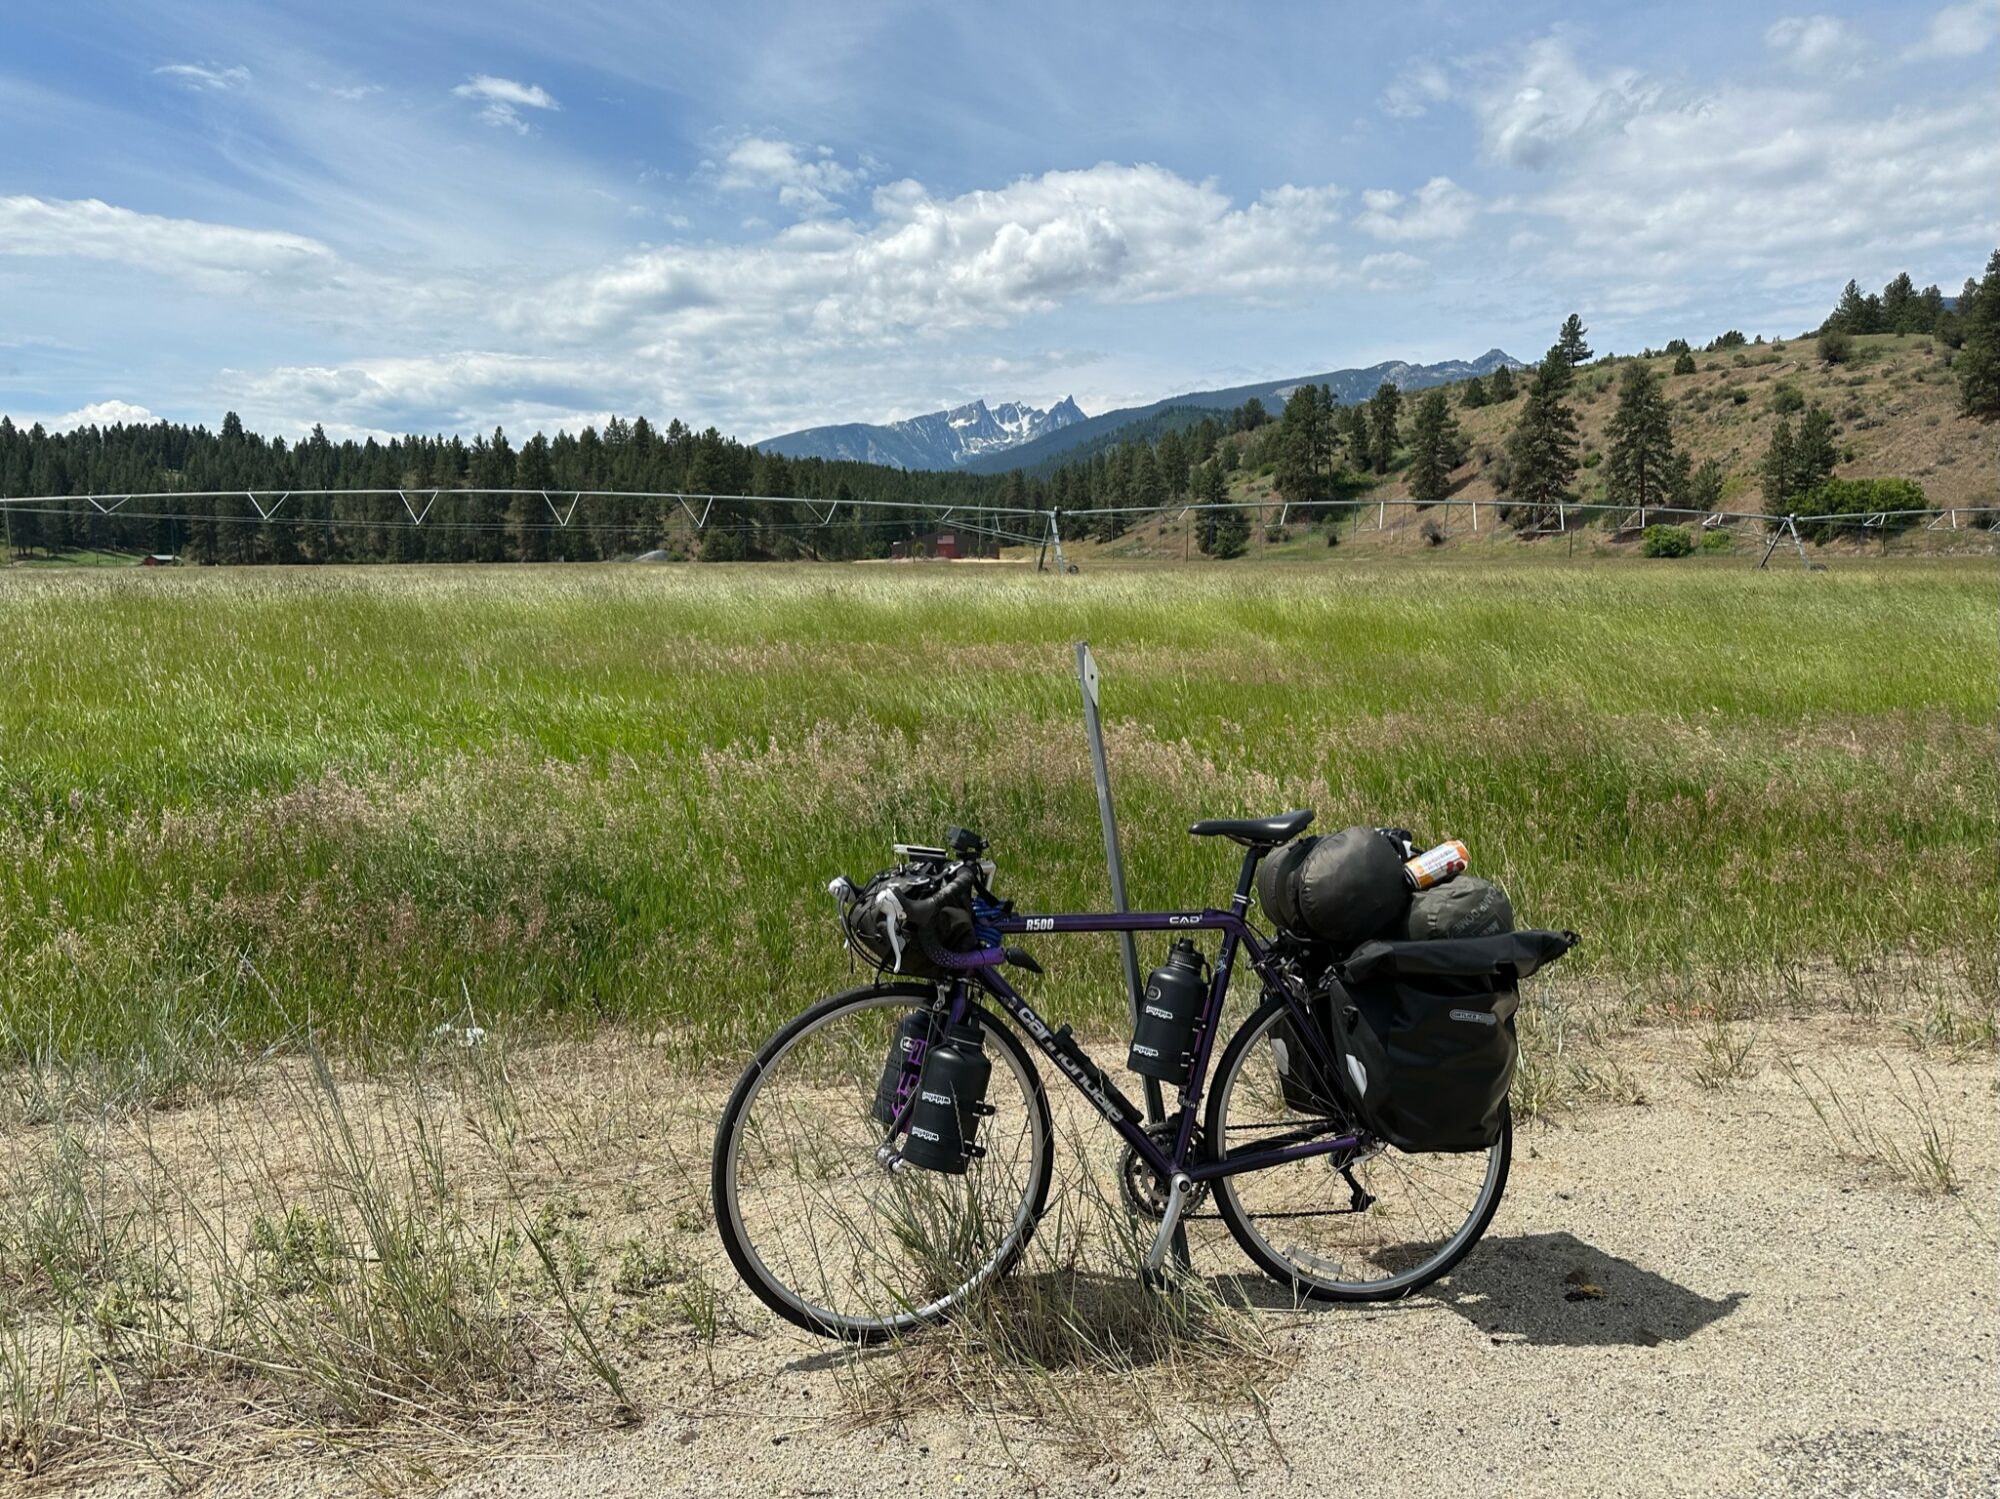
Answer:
x=892 y=925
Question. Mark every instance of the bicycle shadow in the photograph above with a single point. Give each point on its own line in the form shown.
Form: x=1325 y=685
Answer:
x=1539 y=1289
x=1554 y=1289
x=1056 y=1320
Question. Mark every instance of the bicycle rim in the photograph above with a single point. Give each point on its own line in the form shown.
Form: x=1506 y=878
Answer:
x=820 y=1228
x=1303 y=1222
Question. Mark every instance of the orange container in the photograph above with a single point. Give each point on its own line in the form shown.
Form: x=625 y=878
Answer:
x=1436 y=865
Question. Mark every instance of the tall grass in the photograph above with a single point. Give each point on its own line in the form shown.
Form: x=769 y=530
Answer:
x=374 y=802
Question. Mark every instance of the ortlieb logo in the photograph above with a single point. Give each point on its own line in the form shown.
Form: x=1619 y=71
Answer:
x=1477 y=1017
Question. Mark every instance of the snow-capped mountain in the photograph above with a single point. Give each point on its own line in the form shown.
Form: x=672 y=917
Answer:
x=936 y=440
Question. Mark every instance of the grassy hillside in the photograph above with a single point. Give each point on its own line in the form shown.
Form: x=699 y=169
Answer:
x=1895 y=405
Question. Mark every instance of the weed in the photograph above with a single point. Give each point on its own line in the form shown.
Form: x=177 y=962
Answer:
x=1725 y=1052
x=1924 y=1155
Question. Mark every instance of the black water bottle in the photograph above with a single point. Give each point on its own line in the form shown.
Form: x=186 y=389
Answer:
x=950 y=1102
x=1170 y=1012
x=914 y=1039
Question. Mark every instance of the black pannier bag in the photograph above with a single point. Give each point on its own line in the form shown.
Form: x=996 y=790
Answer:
x=1425 y=1033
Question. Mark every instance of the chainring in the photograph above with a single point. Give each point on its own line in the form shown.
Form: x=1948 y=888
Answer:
x=1144 y=1190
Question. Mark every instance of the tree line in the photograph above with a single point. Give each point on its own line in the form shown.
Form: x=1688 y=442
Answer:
x=1319 y=455
x=628 y=455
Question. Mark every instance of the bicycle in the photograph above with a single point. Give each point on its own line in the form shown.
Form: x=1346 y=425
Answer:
x=834 y=1231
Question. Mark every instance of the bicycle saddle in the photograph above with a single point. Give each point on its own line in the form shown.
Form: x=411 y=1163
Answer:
x=1256 y=832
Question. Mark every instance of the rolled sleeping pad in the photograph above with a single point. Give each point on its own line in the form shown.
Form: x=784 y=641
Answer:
x=1465 y=906
x=1351 y=887
x=1278 y=883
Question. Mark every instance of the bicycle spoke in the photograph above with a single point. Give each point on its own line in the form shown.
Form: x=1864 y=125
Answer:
x=833 y=1233
x=1418 y=1212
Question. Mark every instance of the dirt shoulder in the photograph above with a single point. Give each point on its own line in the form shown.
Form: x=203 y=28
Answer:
x=1699 y=1293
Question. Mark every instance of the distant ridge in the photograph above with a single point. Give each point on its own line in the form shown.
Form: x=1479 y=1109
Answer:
x=936 y=440
x=1348 y=386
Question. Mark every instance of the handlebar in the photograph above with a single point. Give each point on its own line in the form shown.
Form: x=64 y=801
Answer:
x=921 y=913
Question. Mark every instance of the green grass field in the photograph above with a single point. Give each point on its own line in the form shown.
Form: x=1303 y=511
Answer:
x=239 y=805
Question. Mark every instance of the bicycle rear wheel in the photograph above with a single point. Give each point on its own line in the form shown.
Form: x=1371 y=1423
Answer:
x=825 y=1233
x=1370 y=1224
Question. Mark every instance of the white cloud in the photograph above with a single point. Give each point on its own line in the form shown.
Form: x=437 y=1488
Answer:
x=503 y=99
x=1548 y=107
x=204 y=78
x=929 y=265
x=349 y=92
x=1391 y=270
x=103 y=414
x=1773 y=187
x=1414 y=90
x=1960 y=31
x=1440 y=209
x=95 y=230
x=1814 y=44
x=808 y=179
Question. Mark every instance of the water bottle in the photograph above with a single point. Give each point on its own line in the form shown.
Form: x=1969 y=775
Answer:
x=950 y=1102
x=914 y=1038
x=1163 y=1042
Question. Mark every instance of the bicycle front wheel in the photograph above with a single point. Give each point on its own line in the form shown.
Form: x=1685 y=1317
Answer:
x=1369 y=1224
x=815 y=1220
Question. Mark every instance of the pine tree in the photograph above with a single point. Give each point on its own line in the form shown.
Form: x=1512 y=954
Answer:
x=1850 y=313
x=1684 y=363
x=1474 y=395
x=1570 y=340
x=1353 y=424
x=1385 y=407
x=1501 y=386
x=1305 y=444
x=1978 y=360
x=1778 y=469
x=1704 y=487
x=1436 y=446
x=1172 y=456
x=1642 y=439
x=1543 y=447
x=1813 y=453
x=1930 y=314
x=1147 y=487
x=1899 y=305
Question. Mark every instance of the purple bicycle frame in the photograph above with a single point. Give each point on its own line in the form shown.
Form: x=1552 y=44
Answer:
x=1092 y=1081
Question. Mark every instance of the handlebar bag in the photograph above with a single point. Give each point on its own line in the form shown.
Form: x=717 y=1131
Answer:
x=950 y=925
x=1425 y=1033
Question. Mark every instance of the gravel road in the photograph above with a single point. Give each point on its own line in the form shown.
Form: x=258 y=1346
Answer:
x=1775 y=1316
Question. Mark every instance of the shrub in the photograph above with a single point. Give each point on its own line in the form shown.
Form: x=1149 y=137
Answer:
x=1738 y=396
x=1787 y=398
x=1684 y=363
x=1858 y=497
x=1433 y=533
x=1667 y=541
x=1717 y=541
x=1591 y=460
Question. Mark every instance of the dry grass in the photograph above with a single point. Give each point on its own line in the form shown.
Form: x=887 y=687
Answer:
x=399 y=1270
x=1914 y=1142
x=1071 y=1346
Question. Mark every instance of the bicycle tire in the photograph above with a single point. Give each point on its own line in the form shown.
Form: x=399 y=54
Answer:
x=1254 y=1244
x=789 y=1303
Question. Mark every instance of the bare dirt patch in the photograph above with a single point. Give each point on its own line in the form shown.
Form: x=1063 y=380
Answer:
x=1750 y=1281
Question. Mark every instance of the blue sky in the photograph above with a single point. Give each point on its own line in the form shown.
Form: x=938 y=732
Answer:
x=399 y=216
